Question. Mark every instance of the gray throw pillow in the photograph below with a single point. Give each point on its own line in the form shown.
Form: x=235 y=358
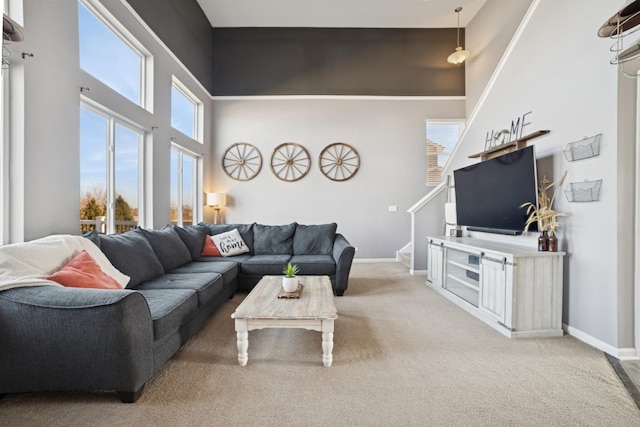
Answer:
x=131 y=253
x=193 y=237
x=94 y=236
x=273 y=239
x=314 y=239
x=169 y=247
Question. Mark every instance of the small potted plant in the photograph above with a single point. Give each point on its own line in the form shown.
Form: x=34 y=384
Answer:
x=290 y=281
x=544 y=215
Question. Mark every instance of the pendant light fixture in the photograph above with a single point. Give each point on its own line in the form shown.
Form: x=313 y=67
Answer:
x=459 y=56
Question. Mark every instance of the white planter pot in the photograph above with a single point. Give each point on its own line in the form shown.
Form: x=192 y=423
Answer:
x=290 y=284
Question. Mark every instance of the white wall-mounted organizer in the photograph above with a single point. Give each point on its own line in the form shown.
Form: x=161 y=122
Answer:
x=583 y=149
x=587 y=191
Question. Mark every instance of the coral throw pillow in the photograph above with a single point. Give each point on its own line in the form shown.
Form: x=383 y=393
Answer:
x=210 y=248
x=83 y=272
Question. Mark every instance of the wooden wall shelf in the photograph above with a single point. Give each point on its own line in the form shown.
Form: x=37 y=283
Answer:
x=508 y=147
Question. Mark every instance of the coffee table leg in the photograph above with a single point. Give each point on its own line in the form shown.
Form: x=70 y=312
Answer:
x=243 y=341
x=327 y=342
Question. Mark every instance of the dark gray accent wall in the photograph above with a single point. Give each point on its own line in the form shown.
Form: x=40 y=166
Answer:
x=336 y=61
x=185 y=29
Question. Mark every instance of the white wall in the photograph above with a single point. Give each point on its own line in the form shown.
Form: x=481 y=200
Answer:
x=487 y=37
x=560 y=70
x=48 y=172
x=388 y=134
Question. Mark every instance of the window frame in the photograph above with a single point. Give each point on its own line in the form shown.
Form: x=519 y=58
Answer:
x=461 y=123
x=114 y=119
x=197 y=184
x=5 y=135
x=121 y=32
x=198 y=114
x=14 y=9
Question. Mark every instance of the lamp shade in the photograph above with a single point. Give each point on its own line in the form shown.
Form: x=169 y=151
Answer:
x=216 y=199
x=459 y=56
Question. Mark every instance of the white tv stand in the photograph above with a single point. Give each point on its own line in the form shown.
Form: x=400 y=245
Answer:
x=515 y=290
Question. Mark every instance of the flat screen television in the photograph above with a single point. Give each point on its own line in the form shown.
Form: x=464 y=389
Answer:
x=489 y=194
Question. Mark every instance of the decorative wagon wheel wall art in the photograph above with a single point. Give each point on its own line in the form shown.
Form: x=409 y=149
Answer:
x=242 y=161
x=290 y=161
x=339 y=161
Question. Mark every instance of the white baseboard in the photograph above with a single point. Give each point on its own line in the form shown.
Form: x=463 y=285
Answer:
x=365 y=260
x=619 y=353
x=418 y=272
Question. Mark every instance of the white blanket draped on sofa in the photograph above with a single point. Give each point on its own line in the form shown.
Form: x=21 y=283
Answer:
x=29 y=263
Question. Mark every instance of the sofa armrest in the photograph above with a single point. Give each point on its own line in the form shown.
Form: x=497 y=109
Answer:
x=343 y=254
x=57 y=338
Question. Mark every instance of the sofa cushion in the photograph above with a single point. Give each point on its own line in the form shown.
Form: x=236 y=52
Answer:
x=230 y=243
x=228 y=269
x=314 y=239
x=169 y=308
x=193 y=237
x=169 y=247
x=273 y=239
x=246 y=231
x=238 y=259
x=94 y=236
x=131 y=253
x=82 y=271
x=314 y=264
x=206 y=285
x=264 y=264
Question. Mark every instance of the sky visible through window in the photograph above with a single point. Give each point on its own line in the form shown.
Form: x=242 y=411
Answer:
x=100 y=49
x=93 y=152
x=107 y=58
x=93 y=157
x=183 y=112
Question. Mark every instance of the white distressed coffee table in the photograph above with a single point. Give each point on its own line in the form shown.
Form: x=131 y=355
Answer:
x=315 y=310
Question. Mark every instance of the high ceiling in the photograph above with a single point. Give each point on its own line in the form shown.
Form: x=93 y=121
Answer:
x=339 y=13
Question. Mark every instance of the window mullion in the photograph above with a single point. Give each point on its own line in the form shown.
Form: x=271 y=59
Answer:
x=111 y=177
x=194 y=193
x=142 y=200
x=180 y=190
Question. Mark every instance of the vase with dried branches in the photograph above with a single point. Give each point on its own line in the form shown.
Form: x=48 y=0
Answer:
x=544 y=215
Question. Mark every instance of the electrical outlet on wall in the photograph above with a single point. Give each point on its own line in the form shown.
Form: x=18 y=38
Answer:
x=393 y=208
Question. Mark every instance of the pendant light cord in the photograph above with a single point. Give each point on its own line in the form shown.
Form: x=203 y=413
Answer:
x=458 y=35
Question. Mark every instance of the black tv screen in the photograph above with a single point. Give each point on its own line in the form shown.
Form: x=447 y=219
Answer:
x=489 y=194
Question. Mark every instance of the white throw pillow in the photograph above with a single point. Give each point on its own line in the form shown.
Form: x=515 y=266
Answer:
x=230 y=243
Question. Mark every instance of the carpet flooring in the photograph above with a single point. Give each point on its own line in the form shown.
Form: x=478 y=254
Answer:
x=403 y=356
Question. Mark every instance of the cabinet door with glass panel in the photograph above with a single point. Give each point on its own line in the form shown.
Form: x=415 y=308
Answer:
x=462 y=275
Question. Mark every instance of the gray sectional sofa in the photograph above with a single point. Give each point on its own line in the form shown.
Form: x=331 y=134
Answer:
x=56 y=338
x=315 y=249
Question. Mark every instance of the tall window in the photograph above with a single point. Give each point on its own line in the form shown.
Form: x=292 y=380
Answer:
x=186 y=111
x=442 y=137
x=4 y=154
x=110 y=172
x=184 y=187
x=108 y=55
